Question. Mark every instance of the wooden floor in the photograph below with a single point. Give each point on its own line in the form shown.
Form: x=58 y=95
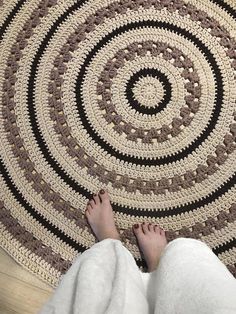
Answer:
x=20 y=291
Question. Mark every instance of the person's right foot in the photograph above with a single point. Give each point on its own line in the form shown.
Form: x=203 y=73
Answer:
x=100 y=216
x=152 y=241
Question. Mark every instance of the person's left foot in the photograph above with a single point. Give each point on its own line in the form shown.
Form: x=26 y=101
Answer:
x=100 y=216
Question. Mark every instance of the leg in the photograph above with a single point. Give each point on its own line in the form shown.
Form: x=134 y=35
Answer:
x=185 y=275
x=105 y=278
x=191 y=279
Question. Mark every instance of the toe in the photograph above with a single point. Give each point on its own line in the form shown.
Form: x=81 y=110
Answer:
x=145 y=227
x=92 y=203
x=162 y=232
x=137 y=229
x=89 y=207
x=96 y=199
x=104 y=196
x=151 y=227
x=87 y=212
x=157 y=229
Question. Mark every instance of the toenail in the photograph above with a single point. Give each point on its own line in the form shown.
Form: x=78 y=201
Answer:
x=102 y=191
x=136 y=226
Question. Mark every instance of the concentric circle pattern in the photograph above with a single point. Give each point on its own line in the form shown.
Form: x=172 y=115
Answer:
x=134 y=96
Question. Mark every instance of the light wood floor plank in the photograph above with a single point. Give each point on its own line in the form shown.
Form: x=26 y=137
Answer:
x=20 y=291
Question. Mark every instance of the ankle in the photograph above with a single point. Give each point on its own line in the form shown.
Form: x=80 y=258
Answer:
x=114 y=236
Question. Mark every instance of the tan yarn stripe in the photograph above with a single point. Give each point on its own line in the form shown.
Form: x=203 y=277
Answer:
x=228 y=257
x=188 y=219
x=5 y=9
x=232 y=3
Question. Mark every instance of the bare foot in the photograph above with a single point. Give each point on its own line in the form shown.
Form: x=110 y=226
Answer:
x=152 y=241
x=100 y=216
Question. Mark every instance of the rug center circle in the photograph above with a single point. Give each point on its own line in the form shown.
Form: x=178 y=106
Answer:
x=148 y=91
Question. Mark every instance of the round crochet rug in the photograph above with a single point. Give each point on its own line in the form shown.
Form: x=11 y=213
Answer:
x=134 y=96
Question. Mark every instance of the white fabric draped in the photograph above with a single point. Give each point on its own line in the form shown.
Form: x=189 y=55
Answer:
x=189 y=279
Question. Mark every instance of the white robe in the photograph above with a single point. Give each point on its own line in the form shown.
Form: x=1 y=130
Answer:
x=189 y=279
